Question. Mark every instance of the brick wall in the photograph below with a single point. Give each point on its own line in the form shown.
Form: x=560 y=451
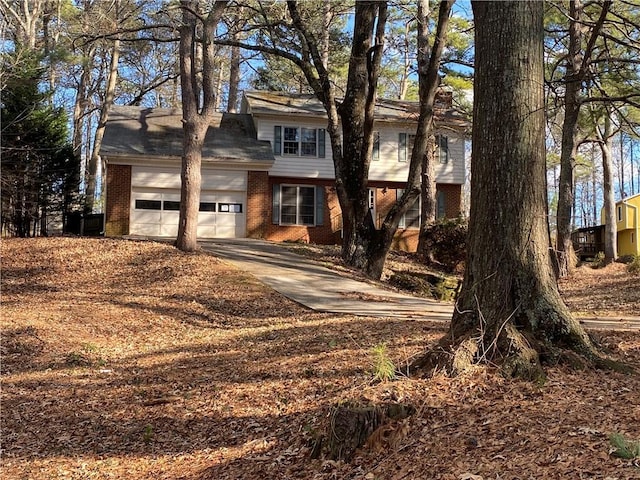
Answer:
x=407 y=239
x=258 y=204
x=328 y=233
x=452 y=199
x=118 y=200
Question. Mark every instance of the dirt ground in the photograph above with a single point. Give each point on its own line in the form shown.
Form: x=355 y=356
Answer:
x=131 y=360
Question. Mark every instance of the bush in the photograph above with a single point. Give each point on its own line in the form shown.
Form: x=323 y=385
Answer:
x=598 y=260
x=446 y=241
x=634 y=266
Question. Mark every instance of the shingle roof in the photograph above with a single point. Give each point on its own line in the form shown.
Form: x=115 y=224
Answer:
x=138 y=131
x=305 y=104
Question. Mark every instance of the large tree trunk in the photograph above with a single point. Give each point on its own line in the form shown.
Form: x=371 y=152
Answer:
x=198 y=107
x=509 y=312
x=356 y=114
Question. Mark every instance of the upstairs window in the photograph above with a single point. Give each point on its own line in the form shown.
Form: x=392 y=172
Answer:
x=443 y=148
x=375 y=155
x=299 y=141
x=405 y=146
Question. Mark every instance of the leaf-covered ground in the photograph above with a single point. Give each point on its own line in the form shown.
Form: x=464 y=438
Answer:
x=131 y=360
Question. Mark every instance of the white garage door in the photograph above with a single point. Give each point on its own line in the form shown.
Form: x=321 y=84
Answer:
x=155 y=205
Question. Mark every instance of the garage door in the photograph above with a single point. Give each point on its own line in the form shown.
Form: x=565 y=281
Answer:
x=155 y=206
x=156 y=214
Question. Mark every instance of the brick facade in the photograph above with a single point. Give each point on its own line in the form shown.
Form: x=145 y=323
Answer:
x=118 y=200
x=452 y=199
x=259 y=207
x=328 y=233
x=407 y=239
x=258 y=204
x=259 y=212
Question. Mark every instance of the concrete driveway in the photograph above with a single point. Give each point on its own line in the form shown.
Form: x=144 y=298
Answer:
x=322 y=289
x=319 y=288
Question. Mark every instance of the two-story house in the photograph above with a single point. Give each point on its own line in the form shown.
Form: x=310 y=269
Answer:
x=589 y=241
x=627 y=225
x=268 y=171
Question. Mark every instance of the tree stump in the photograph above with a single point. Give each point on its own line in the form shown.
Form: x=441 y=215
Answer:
x=351 y=425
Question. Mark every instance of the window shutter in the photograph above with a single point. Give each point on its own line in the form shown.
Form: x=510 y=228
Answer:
x=321 y=147
x=275 y=204
x=402 y=147
x=399 y=192
x=443 y=145
x=441 y=207
x=277 y=140
x=376 y=146
x=319 y=205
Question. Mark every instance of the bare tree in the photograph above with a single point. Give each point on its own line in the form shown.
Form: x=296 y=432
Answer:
x=198 y=106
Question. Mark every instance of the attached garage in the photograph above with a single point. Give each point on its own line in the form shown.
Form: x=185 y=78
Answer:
x=155 y=203
x=142 y=149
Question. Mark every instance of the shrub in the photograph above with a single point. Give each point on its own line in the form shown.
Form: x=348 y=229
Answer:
x=634 y=266
x=598 y=260
x=446 y=241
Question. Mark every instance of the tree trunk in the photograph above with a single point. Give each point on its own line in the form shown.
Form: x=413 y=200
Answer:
x=509 y=312
x=569 y=148
x=428 y=79
x=356 y=114
x=610 y=228
x=94 y=160
x=198 y=107
x=428 y=195
x=191 y=180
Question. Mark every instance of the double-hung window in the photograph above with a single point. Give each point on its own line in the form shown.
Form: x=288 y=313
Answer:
x=298 y=205
x=411 y=219
x=375 y=153
x=291 y=141
x=299 y=141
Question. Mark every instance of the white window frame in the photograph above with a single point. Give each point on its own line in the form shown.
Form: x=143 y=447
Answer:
x=403 y=220
x=372 y=204
x=298 y=205
x=294 y=146
x=442 y=159
x=409 y=139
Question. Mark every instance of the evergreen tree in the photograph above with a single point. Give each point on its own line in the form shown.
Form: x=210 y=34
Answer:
x=40 y=174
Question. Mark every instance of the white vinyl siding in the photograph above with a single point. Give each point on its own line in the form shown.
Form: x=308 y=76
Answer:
x=392 y=168
x=385 y=167
x=300 y=166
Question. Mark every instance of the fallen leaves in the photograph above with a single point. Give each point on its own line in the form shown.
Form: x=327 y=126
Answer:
x=125 y=359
